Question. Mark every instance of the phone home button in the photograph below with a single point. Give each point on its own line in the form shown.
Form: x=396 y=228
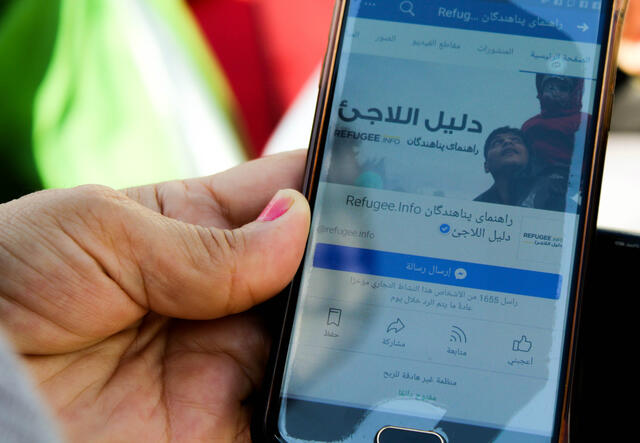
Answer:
x=395 y=434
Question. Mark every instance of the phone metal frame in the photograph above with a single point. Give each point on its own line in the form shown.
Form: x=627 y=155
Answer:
x=609 y=65
x=265 y=425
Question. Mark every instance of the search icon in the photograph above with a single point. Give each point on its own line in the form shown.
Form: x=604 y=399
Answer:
x=406 y=7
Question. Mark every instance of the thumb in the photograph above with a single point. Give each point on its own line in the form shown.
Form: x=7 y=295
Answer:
x=197 y=272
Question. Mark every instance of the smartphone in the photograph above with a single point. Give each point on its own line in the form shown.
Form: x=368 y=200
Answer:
x=453 y=175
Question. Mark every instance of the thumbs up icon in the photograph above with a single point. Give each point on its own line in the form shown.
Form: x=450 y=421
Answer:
x=522 y=345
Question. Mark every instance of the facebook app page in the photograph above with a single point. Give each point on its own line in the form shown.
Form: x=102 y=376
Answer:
x=437 y=278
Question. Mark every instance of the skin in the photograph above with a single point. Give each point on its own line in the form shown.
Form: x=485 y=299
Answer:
x=507 y=156
x=507 y=153
x=127 y=307
x=556 y=94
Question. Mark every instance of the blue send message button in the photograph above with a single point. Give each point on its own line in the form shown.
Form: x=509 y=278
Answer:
x=435 y=270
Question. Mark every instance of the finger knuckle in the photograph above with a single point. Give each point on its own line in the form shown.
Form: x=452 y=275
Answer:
x=96 y=198
x=225 y=247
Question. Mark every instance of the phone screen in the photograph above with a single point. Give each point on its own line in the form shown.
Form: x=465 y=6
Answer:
x=436 y=290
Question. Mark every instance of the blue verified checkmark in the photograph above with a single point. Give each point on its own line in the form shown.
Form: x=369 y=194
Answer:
x=445 y=228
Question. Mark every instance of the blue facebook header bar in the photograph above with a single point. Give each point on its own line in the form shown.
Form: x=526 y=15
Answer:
x=537 y=18
x=435 y=270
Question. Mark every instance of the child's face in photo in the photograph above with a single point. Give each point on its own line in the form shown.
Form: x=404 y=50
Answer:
x=556 y=91
x=506 y=151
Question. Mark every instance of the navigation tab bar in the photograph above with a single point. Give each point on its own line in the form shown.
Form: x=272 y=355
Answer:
x=479 y=49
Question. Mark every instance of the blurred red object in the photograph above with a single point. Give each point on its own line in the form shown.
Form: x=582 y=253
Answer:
x=268 y=49
x=629 y=54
